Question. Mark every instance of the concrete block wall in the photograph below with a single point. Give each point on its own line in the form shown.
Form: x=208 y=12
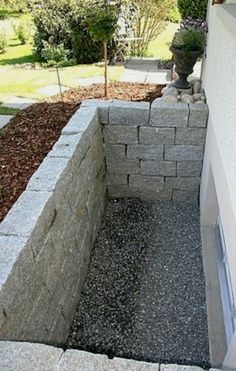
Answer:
x=154 y=152
x=46 y=238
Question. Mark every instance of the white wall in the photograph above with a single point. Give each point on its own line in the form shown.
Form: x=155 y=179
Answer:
x=219 y=78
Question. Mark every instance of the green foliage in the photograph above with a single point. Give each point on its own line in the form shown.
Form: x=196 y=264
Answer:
x=174 y=15
x=66 y=21
x=102 y=21
x=3 y=41
x=189 y=40
x=20 y=6
x=193 y=8
x=53 y=54
x=22 y=30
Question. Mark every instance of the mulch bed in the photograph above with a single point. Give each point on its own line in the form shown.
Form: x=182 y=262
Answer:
x=28 y=138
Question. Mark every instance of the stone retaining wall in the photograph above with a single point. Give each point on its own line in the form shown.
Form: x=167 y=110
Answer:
x=46 y=238
x=154 y=153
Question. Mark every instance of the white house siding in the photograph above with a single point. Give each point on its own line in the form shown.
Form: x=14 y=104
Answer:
x=218 y=188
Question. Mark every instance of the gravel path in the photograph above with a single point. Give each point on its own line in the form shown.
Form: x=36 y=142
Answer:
x=144 y=297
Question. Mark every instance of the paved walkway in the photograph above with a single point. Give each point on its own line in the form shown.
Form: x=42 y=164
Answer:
x=145 y=71
x=144 y=296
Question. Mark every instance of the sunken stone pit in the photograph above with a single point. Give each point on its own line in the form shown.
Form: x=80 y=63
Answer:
x=111 y=150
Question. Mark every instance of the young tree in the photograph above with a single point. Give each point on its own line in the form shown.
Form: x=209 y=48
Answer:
x=152 y=15
x=102 y=21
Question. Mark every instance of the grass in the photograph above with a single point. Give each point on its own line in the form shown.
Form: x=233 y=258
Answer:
x=8 y=111
x=25 y=83
x=160 y=46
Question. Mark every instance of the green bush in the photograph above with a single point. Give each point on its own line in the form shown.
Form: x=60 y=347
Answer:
x=22 y=30
x=3 y=41
x=193 y=8
x=174 y=15
x=189 y=40
x=66 y=21
x=54 y=53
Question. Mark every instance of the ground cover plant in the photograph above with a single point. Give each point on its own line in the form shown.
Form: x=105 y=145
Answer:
x=27 y=139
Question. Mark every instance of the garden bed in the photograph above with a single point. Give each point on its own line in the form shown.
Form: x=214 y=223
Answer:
x=32 y=133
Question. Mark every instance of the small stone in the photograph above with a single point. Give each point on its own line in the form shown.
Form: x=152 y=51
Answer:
x=197 y=96
x=164 y=90
x=196 y=87
x=179 y=97
x=187 y=98
x=203 y=98
x=170 y=99
x=171 y=91
x=200 y=102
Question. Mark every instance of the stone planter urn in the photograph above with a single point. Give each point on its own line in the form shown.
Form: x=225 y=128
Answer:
x=184 y=63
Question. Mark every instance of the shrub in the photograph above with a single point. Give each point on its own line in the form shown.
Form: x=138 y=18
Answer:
x=66 y=21
x=193 y=8
x=174 y=15
x=3 y=41
x=189 y=40
x=54 y=53
x=22 y=30
x=151 y=20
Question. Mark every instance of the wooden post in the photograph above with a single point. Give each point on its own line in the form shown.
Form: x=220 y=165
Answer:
x=106 y=73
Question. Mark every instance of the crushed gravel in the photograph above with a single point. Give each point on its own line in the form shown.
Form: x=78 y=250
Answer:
x=144 y=297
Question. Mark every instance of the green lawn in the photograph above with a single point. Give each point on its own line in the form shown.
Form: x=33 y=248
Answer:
x=25 y=83
x=160 y=46
x=8 y=111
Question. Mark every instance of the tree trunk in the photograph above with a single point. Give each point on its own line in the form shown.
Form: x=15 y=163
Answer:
x=106 y=74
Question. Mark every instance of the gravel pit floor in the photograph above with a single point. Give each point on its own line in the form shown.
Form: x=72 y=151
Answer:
x=144 y=296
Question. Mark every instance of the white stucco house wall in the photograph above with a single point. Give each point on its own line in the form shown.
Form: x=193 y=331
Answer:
x=218 y=187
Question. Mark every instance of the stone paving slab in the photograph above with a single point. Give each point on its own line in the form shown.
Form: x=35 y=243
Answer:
x=19 y=103
x=4 y=119
x=52 y=90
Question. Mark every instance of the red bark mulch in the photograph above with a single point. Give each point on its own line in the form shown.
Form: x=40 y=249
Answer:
x=28 y=138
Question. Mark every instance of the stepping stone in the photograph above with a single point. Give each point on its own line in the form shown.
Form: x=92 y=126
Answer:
x=4 y=119
x=160 y=77
x=18 y=103
x=134 y=76
x=50 y=90
x=87 y=81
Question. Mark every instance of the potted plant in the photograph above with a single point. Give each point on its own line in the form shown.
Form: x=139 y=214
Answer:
x=187 y=46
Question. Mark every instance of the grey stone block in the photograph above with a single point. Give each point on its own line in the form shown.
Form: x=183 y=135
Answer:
x=145 y=152
x=185 y=196
x=27 y=357
x=183 y=153
x=169 y=114
x=150 y=183
x=119 y=364
x=121 y=191
x=81 y=120
x=10 y=249
x=120 y=134
x=115 y=151
x=66 y=146
x=159 y=168
x=196 y=136
x=198 y=115
x=189 y=168
x=129 y=113
x=102 y=105
x=185 y=184
x=75 y=360
x=24 y=215
x=151 y=135
x=173 y=367
x=48 y=174
x=126 y=166
x=116 y=179
x=155 y=196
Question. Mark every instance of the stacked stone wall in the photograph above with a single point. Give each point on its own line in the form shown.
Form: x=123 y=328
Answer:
x=46 y=238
